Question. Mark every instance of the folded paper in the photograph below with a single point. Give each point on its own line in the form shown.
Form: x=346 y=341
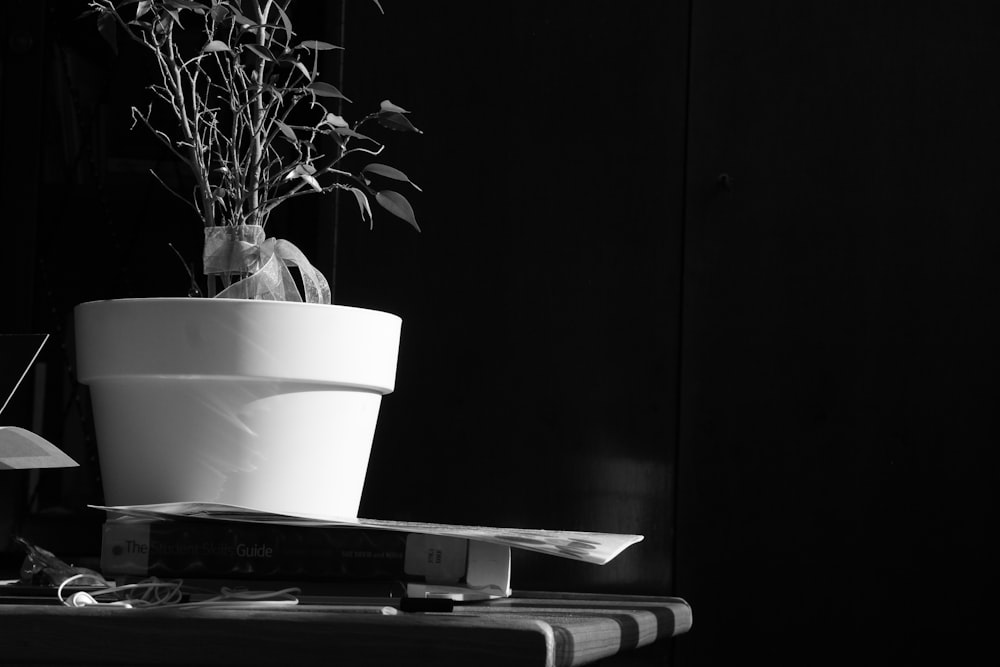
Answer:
x=596 y=548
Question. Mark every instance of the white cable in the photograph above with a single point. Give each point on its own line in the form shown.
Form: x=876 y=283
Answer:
x=155 y=593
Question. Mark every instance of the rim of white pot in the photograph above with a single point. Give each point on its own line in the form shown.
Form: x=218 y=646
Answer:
x=191 y=338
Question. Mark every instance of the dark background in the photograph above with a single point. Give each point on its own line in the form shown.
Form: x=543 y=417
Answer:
x=717 y=272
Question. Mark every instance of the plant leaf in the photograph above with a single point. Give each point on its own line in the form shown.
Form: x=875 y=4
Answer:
x=254 y=26
x=285 y=130
x=242 y=20
x=366 y=209
x=285 y=21
x=316 y=45
x=215 y=46
x=186 y=4
x=142 y=8
x=325 y=90
x=220 y=13
x=386 y=105
x=388 y=172
x=334 y=120
x=248 y=24
x=108 y=29
x=262 y=52
x=310 y=179
x=303 y=69
x=176 y=16
x=397 y=204
x=302 y=170
x=348 y=132
x=396 y=121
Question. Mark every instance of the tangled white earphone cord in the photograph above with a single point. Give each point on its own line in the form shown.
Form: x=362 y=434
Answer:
x=156 y=593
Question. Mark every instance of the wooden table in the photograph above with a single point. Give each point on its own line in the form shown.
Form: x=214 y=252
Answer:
x=550 y=629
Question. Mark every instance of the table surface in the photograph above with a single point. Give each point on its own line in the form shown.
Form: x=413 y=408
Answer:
x=552 y=629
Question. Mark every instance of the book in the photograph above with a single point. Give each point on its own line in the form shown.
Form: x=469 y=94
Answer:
x=487 y=561
x=193 y=549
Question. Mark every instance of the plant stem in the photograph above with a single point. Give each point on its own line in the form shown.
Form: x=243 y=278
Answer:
x=175 y=81
x=257 y=111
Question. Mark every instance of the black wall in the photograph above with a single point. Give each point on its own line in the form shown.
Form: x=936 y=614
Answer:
x=537 y=378
x=839 y=356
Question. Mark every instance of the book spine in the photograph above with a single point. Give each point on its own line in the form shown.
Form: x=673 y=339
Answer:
x=213 y=549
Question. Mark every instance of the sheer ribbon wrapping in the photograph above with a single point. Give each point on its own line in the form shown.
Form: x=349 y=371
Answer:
x=261 y=265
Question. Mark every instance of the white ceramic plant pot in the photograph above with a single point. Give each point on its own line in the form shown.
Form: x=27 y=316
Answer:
x=264 y=404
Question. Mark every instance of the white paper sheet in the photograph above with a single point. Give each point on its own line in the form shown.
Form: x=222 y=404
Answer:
x=22 y=449
x=597 y=548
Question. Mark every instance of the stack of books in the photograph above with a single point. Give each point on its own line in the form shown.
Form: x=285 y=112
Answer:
x=211 y=543
x=342 y=561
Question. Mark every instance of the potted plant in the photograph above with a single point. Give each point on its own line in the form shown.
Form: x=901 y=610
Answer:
x=263 y=395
